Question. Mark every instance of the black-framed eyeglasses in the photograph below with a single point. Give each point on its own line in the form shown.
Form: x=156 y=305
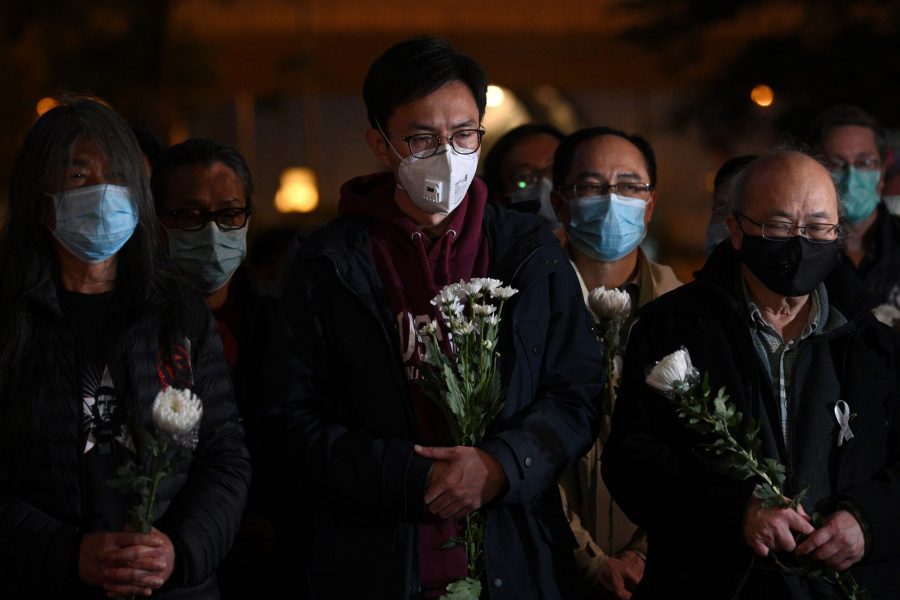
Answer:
x=782 y=231
x=862 y=163
x=192 y=219
x=624 y=188
x=424 y=145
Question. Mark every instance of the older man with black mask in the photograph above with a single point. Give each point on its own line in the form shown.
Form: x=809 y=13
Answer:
x=787 y=331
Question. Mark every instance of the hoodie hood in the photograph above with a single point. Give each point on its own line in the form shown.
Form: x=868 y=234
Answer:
x=445 y=258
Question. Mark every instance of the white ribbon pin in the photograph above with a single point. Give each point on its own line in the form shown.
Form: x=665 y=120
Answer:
x=843 y=416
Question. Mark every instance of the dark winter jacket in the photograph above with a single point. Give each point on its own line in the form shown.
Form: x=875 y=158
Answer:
x=694 y=513
x=880 y=269
x=42 y=500
x=348 y=428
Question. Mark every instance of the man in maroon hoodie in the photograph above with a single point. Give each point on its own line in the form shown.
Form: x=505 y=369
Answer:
x=388 y=484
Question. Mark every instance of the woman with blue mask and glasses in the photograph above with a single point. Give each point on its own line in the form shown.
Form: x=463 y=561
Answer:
x=91 y=330
x=203 y=194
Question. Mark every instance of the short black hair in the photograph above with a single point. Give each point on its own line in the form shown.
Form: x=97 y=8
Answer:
x=505 y=144
x=198 y=151
x=415 y=68
x=565 y=154
x=841 y=115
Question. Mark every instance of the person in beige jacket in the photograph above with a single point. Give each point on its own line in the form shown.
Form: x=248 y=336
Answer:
x=605 y=192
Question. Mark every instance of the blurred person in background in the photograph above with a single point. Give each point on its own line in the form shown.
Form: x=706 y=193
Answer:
x=723 y=189
x=854 y=147
x=92 y=328
x=203 y=194
x=518 y=172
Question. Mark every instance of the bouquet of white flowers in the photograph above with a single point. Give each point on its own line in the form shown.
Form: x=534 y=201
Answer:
x=176 y=414
x=461 y=374
x=720 y=422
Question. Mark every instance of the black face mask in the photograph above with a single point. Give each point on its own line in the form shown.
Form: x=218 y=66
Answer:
x=790 y=268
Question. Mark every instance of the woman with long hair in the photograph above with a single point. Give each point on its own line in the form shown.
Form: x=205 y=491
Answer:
x=92 y=327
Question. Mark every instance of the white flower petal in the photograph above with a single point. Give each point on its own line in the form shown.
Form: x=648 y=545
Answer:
x=177 y=412
x=887 y=314
x=503 y=292
x=609 y=304
x=673 y=372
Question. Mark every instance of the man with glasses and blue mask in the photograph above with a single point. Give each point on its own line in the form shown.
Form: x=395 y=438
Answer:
x=605 y=182
x=776 y=320
x=389 y=485
x=853 y=144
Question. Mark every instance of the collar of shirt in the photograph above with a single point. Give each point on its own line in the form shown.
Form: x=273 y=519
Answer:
x=818 y=314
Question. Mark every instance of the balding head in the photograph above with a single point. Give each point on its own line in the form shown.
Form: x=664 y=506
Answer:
x=783 y=186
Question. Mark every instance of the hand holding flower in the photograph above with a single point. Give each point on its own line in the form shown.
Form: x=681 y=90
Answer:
x=773 y=528
x=621 y=574
x=126 y=563
x=839 y=542
x=462 y=480
x=771 y=519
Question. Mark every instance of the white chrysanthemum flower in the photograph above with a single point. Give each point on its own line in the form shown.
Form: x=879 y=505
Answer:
x=609 y=304
x=483 y=310
x=177 y=412
x=493 y=320
x=428 y=328
x=503 y=292
x=674 y=372
x=887 y=314
x=473 y=287
x=452 y=310
x=463 y=327
x=489 y=284
x=448 y=295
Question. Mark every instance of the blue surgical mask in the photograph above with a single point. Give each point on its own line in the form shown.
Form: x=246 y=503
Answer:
x=208 y=257
x=607 y=227
x=857 y=189
x=535 y=199
x=94 y=222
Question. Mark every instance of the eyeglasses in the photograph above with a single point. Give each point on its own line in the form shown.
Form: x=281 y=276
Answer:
x=863 y=163
x=192 y=219
x=782 y=231
x=424 y=145
x=626 y=188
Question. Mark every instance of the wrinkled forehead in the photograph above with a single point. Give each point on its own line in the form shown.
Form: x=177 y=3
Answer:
x=607 y=155
x=792 y=184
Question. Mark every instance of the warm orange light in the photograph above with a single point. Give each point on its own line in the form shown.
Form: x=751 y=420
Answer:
x=762 y=95
x=298 y=191
x=45 y=104
x=496 y=95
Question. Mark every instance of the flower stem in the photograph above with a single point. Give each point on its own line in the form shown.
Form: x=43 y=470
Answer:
x=158 y=471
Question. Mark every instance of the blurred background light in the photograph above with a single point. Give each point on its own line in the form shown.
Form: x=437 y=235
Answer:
x=298 y=192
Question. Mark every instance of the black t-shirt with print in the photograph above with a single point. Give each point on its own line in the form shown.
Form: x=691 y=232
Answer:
x=106 y=436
